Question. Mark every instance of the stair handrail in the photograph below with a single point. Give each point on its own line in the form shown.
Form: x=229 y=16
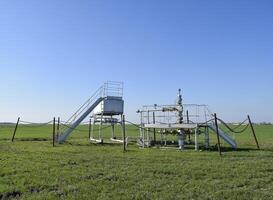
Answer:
x=97 y=94
x=109 y=87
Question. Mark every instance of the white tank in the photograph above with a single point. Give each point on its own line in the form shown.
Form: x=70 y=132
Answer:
x=110 y=106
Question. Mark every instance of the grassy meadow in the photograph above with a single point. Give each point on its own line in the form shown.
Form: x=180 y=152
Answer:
x=30 y=168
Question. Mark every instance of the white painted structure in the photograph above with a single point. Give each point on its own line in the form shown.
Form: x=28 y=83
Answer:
x=103 y=105
x=171 y=120
x=109 y=110
x=110 y=106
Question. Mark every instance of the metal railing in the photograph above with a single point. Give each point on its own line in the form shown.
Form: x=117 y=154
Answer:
x=167 y=114
x=109 y=88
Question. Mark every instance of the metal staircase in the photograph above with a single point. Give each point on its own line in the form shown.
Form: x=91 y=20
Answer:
x=224 y=136
x=108 y=89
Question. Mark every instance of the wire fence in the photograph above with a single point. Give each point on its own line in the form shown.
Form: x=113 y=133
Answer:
x=43 y=131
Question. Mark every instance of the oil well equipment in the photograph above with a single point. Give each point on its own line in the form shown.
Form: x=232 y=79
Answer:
x=180 y=121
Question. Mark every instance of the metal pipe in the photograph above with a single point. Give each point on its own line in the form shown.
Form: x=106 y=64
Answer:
x=154 y=128
x=94 y=121
x=180 y=138
x=207 y=137
x=196 y=139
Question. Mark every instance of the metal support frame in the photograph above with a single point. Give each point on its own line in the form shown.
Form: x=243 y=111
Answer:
x=92 y=139
x=161 y=137
x=101 y=122
x=101 y=117
x=107 y=91
x=188 y=121
x=113 y=129
x=196 y=139
x=207 y=138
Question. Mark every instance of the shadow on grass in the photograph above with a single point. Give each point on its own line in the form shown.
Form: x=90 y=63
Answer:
x=158 y=145
x=105 y=144
x=228 y=149
x=32 y=139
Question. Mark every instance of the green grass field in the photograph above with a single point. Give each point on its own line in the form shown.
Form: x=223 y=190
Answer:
x=30 y=168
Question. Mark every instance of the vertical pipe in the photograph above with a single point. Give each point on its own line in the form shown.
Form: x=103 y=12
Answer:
x=53 y=132
x=181 y=141
x=148 y=130
x=206 y=130
x=154 y=128
x=123 y=133
x=188 y=121
x=92 y=128
x=161 y=139
x=101 y=117
x=15 y=129
x=140 y=129
x=113 y=130
x=143 y=137
x=253 y=132
x=217 y=132
x=121 y=124
x=165 y=139
x=148 y=137
x=207 y=137
x=196 y=139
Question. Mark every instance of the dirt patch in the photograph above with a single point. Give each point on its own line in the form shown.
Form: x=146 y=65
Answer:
x=10 y=195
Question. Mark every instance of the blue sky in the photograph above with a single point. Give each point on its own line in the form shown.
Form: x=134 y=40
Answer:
x=54 y=54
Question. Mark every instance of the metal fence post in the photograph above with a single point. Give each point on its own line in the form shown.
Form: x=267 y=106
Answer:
x=217 y=132
x=123 y=132
x=53 y=132
x=15 y=129
x=58 y=128
x=89 y=129
x=253 y=132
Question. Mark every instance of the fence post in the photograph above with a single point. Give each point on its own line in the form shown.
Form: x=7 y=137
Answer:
x=89 y=129
x=15 y=129
x=253 y=132
x=53 y=132
x=217 y=132
x=58 y=128
x=123 y=132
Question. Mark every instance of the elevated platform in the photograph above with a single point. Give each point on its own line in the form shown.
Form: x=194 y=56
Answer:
x=106 y=101
x=110 y=106
x=171 y=126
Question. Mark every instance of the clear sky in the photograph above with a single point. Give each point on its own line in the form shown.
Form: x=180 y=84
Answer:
x=55 y=53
